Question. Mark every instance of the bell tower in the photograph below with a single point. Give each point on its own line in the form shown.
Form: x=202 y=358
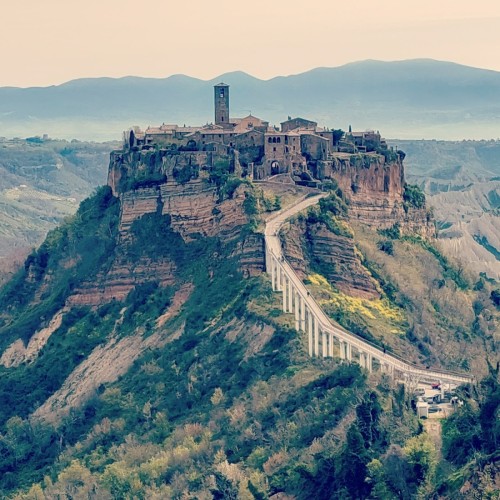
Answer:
x=221 y=96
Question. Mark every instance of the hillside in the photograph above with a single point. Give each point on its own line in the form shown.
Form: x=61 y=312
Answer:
x=41 y=182
x=462 y=180
x=144 y=354
x=423 y=98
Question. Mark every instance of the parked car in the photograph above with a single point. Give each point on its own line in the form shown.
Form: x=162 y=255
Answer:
x=420 y=391
x=436 y=385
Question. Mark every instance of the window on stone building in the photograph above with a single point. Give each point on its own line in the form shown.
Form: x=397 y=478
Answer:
x=279 y=139
x=274 y=149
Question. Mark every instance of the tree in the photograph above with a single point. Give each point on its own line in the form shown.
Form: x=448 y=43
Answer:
x=350 y=469
x=337 y=135
x=368 y=414
x=421 y=456
x=386 y=246
x=376 y=479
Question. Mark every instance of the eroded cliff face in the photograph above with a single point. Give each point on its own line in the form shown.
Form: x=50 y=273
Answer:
x=375 y=191
x=195 y=211
x=313 y=248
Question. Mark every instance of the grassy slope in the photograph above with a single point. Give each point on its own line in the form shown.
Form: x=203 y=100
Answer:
x=233 y=406
x=450 y=317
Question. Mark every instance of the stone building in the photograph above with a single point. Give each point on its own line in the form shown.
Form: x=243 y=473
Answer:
x=259 y=149
x=249 y=122
x=221 y=105
x=295 y=123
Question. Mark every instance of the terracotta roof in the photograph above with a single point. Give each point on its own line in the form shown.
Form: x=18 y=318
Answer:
x=212 y=131
x=298 y=118
x=248 y=131
x=188 y=130
x=157 y=131
x=211 y=127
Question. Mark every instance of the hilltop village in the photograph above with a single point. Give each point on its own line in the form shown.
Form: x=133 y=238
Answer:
x=258 y=150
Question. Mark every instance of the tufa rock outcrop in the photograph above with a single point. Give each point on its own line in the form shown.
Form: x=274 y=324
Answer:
x=175 y=186
x=375 y=189
x=312 y=247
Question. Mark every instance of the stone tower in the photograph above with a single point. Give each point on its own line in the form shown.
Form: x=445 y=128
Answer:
x=221 y=95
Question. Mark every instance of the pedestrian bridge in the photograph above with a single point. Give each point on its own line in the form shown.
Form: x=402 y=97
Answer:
x=326 y=339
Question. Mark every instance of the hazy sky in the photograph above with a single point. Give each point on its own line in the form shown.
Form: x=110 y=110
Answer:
x=45 y=42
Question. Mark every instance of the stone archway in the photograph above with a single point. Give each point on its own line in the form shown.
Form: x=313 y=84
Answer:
x=275 y=167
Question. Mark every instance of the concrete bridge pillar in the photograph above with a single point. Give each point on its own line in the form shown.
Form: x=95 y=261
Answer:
x=278 y=275
x=296 y=305
x=365 y=360
x=316 y=337
x=388 y=369
x=302 y=314
x=345 y=350
x=348 y=352
x=273 y=272
x=290 y=296
x=310 y=331
x=362 y=359
x=369 y=362
x=284 y=288
x=324 y=346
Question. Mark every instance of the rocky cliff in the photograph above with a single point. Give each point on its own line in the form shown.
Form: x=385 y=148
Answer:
x=312 y=247
x=147 y=182
x=375 y=188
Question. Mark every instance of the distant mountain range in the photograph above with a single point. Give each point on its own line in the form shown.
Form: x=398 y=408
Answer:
x=419 y=98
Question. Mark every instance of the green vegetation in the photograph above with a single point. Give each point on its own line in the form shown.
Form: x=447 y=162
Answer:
x=471 y=439
x=225 y=402
x=375 y=320
x=73 y=252
x=393 y=232
x=232 y=405
x=386 y=246
x=337 y=135
x=455 y=272
x=413 y=197
x=184 y=174
x=483 y=241
x=436 y=298
x=331 y=211
x=219 y=173
x=23 y=388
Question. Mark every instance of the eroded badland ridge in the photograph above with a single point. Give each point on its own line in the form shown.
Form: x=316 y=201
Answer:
x=144 y=338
